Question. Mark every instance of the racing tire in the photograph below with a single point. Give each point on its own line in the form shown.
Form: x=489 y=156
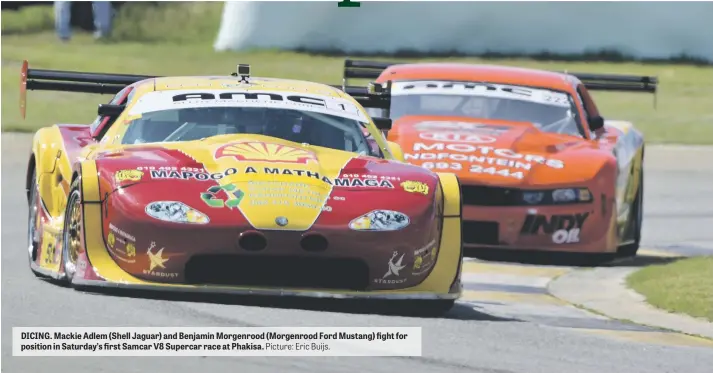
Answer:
x=630 y=250
x=73 y=229
x=33 y=242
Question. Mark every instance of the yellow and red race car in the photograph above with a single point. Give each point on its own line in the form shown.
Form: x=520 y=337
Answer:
x=542 y=171
x=237 y=184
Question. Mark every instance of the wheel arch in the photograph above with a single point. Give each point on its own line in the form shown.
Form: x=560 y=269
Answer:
x=31 y=167
x=88 y=174
x=453 y=213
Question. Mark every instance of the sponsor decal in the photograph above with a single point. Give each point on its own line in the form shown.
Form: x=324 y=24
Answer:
x=493 y=130
x=478 y=169
x=380 y=220
x=232 y=199
x=156 y=263
x=121 y=244
x=51 y=252
x=277 y=194
x=494 y=161
x=457 y=137
x=346 y=181
x=128 y=175
x=264 y=152
x=365 y=176
x=332 y=198
x=175 y=212
x=186 y=173
x=562 y=228
x=392 y=275
x=487 y=151
x=362 y=183
x=415 y=187
x=424 y=258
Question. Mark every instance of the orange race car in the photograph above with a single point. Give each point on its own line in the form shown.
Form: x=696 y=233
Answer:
x=541 y=170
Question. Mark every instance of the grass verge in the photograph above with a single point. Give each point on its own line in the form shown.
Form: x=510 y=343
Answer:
x=149 y=40
x=684 y=286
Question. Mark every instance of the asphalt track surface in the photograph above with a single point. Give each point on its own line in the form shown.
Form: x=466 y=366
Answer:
x=506 y=322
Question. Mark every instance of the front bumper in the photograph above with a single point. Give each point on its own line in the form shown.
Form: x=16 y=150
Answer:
x=571 y=228
x=97 y=269
x=85 y=281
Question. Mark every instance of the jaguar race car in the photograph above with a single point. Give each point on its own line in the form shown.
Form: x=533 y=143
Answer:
x=236 y=184
x=542 y=170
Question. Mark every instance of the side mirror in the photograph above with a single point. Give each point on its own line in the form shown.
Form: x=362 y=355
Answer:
x=383 y=124
x=396 y=150
x=596 y=123
x=111 y=110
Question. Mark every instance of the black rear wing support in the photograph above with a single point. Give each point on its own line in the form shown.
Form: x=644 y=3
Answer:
x=375 y=95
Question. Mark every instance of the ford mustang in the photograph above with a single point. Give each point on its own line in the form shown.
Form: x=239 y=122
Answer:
x=236 y=184
x=542 y=170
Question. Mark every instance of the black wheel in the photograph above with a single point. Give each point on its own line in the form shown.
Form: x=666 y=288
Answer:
x=33 y=237
x=637 y=218
x=73 y=229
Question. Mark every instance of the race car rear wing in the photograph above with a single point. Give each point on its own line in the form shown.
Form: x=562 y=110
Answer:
x=99 y=83
x=356 y=69
x=619 y=83
x=612 y=82
x=71 y=81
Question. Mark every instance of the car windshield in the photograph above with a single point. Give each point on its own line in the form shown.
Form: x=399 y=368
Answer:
x=549 y=110
x=201 y=118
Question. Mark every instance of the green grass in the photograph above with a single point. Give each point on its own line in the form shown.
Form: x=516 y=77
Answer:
x=28 y=19
x=153 y=40
x=684 y=286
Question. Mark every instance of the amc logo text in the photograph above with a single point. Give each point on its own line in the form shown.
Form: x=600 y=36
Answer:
x=35 y=335
x=563 y=228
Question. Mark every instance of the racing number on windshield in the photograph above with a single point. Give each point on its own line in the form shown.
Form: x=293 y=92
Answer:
x=555 y=98
x=442 y=166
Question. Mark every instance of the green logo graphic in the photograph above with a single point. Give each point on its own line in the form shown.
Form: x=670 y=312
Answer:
x=234 y=196
x=348 y=4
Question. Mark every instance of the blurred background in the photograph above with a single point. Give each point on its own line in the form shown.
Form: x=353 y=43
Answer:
x=309 y=40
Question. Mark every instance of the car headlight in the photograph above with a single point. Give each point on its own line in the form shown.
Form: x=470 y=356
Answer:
x=557 y=196
x=571 y=195
x=564 y=195
x=175 y=212
x=380 y=220
x=533 y=198
x=584 y=195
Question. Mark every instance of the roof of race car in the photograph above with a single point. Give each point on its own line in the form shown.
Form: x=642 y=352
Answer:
x=469 y=72
x=226 y=83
